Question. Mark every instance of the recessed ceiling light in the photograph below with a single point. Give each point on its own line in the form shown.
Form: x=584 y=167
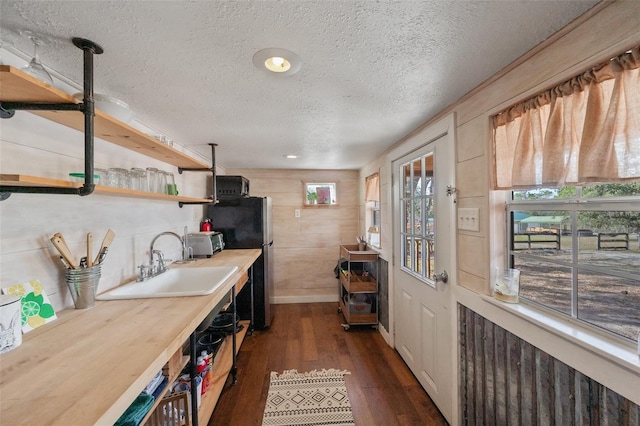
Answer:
x=291 y=156
x=278 y=61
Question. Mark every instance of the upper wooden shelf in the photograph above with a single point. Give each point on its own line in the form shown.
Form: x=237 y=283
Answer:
x=17 y=86
x=24 y=180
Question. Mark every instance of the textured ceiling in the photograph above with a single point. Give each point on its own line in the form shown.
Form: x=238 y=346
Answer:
x=371 y=73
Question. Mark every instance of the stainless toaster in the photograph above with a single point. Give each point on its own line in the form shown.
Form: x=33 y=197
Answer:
x=205 y=244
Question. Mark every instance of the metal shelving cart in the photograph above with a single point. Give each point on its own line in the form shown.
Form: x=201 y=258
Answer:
x=358 y=289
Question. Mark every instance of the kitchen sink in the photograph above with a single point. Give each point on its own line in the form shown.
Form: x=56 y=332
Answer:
x=173 y=283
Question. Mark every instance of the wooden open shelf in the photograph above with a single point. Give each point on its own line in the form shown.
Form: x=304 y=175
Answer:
x=25 y=180
x=175 y=366
x=222 y=364
x=353 y=318
x=17 y=86
x=355 y=282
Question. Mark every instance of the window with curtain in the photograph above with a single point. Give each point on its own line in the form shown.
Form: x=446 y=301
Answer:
x=571 y=157
x=584 y=130
x=372 y=205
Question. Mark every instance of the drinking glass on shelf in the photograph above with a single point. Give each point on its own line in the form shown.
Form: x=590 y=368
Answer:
x=138 y=179
x=35 y=67
x=153 y=179
x=162 y=182
x=102 y=176
x=172 y=189
x=118 y=178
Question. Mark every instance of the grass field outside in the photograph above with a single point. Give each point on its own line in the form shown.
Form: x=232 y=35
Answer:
x=604 y=300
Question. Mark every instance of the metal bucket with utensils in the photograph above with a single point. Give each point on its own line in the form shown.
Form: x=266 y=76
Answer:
x=83 y=284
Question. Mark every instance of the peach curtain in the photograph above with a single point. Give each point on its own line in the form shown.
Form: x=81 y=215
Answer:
x=585 y=130
x=372 y=188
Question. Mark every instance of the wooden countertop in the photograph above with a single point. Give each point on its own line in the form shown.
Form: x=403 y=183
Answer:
x=87 y=366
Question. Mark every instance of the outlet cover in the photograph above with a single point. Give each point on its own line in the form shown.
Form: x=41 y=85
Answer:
x=469 y=219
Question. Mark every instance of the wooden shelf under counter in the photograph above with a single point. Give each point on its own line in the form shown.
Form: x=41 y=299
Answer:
x=222 y=364
x=25 y=180
x=17 y=86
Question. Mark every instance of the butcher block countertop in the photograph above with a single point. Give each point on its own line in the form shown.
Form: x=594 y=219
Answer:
x=87 y=366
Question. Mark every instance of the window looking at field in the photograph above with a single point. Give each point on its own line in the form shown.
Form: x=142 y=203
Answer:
x=578 y=252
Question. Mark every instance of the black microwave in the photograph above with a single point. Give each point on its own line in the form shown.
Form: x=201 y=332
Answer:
x=228 y=187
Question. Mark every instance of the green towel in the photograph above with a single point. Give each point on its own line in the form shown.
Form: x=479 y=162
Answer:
x=136 y=411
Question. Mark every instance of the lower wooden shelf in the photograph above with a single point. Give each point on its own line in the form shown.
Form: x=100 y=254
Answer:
x=222 y=364
x=25 y=180
x=174 y=367
x=353 y=318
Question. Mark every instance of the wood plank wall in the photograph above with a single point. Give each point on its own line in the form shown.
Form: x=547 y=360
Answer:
x=506 y=381
x=306 y=249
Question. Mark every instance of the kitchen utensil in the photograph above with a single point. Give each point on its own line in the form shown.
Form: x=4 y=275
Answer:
x=106 y=242
x=89 y=243
x=64 y=262
x=101 y=256
x=63 y=249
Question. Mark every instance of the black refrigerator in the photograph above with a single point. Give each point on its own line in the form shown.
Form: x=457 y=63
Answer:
x=246 y=223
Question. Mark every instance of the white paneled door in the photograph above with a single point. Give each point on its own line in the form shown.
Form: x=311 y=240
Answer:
x=422 y=264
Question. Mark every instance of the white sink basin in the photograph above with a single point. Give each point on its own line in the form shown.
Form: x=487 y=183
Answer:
x=173 y=283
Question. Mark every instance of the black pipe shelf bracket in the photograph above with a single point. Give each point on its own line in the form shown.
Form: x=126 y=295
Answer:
x=203 y=169
x=8 y=109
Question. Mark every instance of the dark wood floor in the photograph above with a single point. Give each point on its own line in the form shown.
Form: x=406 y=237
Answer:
x=305 y=337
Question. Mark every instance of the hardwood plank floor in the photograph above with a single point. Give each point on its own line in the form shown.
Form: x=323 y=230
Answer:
x=381 y=388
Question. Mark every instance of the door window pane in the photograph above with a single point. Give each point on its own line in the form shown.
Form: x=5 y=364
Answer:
x=418 y=216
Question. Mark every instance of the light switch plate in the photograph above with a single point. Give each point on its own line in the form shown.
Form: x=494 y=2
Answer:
x=469 y=219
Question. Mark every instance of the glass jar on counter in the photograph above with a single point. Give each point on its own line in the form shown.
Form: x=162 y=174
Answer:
x=138 y=179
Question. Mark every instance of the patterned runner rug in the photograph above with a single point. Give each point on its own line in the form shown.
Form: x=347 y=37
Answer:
x=313 y=398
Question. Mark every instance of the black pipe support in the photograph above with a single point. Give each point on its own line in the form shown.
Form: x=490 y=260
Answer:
x=7 y=110
x=89 y=48
x=38 y=190
x=32 y=106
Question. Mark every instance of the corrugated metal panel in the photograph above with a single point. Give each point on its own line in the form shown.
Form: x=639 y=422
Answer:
x=504 y=380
